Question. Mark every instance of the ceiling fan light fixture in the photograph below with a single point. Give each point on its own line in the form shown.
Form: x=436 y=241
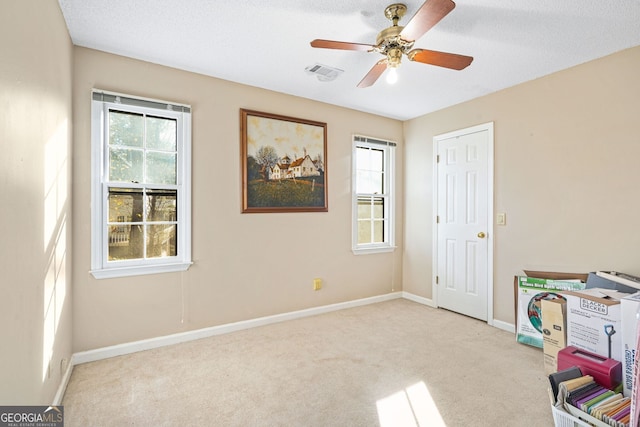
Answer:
x=392 y=75
x=394 y=56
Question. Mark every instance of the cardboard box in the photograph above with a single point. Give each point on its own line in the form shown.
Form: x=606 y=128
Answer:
x=630 y=310
x=530 y=291
x=594 y=323
x=554 y=332
x=613 y=280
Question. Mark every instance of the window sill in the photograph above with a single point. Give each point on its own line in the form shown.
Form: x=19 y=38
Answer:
x=110 y=273
x=373 y=250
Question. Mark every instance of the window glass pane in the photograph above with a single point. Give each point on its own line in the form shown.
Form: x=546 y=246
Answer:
x=376 y=182
x=161 y=133
x=364 y=232
x=125 y=165
x=125 y=242
x=370 y=213
x=378 y=232
x=364 y=207
x=362 y=182
x=161 y=168
x=378 y=208
x=161 y=205
x=363 y=158
x=370 y=159
x=125 y=129
x=369 y=182
x=377 y=160
x=161 y=240
x=369 y=166
x=125 y=205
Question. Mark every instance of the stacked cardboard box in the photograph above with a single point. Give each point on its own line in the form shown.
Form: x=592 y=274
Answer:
x=530 y=291
x=602 y=317
x=630 y=311
x=594 y=321
x=554 y=331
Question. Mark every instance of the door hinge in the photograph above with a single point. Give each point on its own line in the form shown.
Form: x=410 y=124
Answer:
x=438 y=158
x=437 y=219
x=437 y=280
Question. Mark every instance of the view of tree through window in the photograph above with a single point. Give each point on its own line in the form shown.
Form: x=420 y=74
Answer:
x=142 y=180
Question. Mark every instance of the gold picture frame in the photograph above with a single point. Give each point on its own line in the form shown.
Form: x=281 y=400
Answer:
x=284 y=163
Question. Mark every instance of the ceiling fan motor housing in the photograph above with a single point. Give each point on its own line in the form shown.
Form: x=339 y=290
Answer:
x=389 y=38
x=389 y=42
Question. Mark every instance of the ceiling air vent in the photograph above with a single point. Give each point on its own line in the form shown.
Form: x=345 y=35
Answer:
x=324 y=73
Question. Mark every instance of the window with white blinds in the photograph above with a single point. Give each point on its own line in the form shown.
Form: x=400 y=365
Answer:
x=141 y=161
x=373 y=195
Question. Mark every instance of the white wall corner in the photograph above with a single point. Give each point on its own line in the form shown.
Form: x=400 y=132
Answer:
x=64 y=381
x=509 y=327
x=421 y=300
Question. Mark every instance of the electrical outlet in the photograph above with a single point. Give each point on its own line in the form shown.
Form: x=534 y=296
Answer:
x=317 y=284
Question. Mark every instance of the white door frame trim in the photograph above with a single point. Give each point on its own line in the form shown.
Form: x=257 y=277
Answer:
x=490 y=221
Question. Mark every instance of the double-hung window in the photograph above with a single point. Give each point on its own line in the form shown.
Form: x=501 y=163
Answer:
x=373 y=195
x=141 y=201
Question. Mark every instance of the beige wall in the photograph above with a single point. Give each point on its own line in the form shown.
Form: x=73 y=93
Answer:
x=567 y=148
x=245 y=265
x=35 y=230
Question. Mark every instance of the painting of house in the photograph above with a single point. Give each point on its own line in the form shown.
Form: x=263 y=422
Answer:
x=300 y=168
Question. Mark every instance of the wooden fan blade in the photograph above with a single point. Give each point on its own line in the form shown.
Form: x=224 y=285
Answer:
x=429 y=14
x=441 y=59
x=374 y=73
x=330 y=44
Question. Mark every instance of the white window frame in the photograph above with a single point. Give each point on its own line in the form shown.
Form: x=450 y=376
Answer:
x=388 y=148
x=101 y=267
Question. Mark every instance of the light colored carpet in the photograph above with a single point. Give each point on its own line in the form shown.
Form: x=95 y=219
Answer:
x=394 y=363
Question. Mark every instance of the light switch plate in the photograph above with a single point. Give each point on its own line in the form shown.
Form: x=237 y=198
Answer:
x=501 y=218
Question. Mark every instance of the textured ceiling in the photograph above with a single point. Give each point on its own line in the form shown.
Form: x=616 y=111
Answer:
x=266 y=43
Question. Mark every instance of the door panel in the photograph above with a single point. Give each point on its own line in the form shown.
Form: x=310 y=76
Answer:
x=463 y=223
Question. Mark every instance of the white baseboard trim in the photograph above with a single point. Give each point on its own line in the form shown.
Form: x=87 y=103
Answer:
x=57 y=399
x=148 y=344
x=504 y=326
x=136 y=346
x=418 y=299
x=429 y=302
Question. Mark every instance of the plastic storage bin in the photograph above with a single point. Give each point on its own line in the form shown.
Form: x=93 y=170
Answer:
x=563 y=418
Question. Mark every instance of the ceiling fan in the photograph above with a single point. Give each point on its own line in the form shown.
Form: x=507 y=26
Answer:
x=396 y=40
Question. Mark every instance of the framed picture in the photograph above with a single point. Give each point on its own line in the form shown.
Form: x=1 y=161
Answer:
x=284 y=163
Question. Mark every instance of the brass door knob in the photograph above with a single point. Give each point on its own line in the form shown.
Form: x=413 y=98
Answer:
x=481 y=235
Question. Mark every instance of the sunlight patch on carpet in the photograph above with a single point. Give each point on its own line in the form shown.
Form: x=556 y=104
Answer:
x=412 y=406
